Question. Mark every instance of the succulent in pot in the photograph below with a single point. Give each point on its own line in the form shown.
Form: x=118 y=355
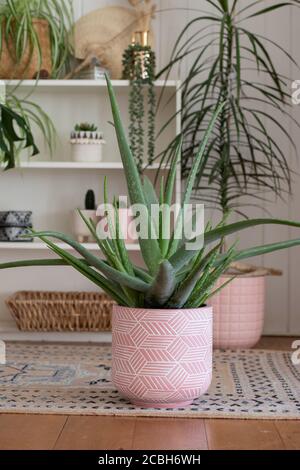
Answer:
x=162 y=328
x=87 y=143
x=80 y=229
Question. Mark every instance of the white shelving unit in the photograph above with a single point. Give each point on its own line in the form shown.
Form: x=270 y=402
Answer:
x=56 y=165
x=52 y=84
x=53 y=186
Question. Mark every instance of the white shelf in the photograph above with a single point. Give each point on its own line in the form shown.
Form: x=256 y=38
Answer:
x=43 y=246
x=9 y=332
x=56 y=165
x=50 y=84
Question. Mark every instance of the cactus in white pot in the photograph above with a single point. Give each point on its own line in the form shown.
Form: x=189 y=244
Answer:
x=87 y=143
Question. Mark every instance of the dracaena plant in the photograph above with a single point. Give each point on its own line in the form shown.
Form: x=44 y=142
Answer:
x=245 y=159
x=173 y=277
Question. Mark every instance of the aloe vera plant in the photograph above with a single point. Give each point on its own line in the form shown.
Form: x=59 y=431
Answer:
x=173 y=277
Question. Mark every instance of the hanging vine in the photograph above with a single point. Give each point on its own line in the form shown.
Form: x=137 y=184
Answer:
x=139 y=69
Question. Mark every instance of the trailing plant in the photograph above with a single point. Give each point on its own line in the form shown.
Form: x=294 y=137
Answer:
x=174 y=276
x=139 y=69
x=17 y=28
x=14 y=130
x=233 y=64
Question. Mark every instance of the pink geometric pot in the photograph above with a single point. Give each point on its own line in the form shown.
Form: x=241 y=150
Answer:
x=239 y=311
x=161 y=358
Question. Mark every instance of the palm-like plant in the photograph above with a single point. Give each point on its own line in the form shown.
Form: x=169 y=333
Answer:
x=9 y=138
x=243 y=158
x=174 y=277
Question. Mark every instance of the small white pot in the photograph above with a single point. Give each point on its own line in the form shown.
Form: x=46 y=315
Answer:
x=86 y=150
x=80 y=230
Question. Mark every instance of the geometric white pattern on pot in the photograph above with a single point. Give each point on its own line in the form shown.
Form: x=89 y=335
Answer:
x=162 y=357
x=239 y=311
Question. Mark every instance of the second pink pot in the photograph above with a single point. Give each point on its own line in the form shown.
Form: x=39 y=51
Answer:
x=239 y=311
x=161 y=358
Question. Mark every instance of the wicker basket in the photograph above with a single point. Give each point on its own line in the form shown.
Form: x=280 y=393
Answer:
x=61 y=311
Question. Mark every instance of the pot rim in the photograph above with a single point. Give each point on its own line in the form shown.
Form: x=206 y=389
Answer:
x=206 y=308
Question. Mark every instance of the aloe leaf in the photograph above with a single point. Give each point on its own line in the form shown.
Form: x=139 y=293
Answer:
x=172 y=173
x=191 y=179
x=117 y=276
x=106 y=284
x=149 y=192
x=265 y=249
x=162 y=287
x=149 y=247
x=151 y=199
x=34 y=262
x=183 y=256
x=185 y=289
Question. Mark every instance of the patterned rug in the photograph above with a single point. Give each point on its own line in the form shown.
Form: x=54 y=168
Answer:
x=75 y=379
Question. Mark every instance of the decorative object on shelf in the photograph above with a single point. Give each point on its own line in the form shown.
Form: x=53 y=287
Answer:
x=15 y=225
x=87 y=143
x=139 y=68
x=10 y=123
x=35 y=38
x=94 y=71
x=81 y=231
x=61 y=311
x=174 y=286
x=245 y=159
x=105 y=33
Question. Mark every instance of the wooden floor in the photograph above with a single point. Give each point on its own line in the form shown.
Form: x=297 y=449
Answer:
x=107 y=433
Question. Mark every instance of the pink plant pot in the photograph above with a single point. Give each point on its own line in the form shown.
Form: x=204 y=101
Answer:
x=239 y=311
x=161 y=358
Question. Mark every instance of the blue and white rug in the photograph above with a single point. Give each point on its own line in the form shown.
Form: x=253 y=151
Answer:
x=75 y=379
